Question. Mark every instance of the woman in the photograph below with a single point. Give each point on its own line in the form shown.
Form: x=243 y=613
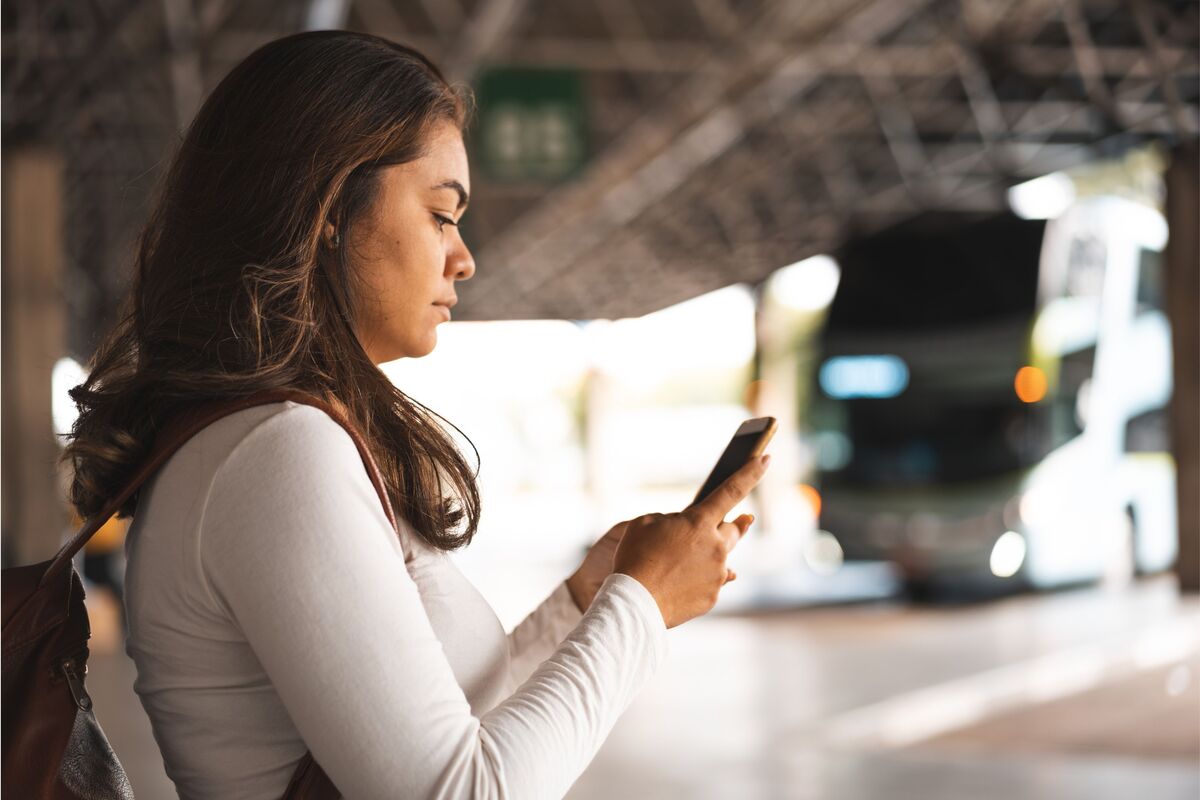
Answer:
x=307 y=231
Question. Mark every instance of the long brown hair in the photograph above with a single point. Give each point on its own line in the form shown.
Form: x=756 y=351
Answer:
x=237 y=289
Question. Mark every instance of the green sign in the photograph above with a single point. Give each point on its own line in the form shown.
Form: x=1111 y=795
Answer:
x=531 y=124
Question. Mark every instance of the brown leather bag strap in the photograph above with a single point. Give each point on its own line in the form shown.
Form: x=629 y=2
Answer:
x=181 y=430
x=309 y=782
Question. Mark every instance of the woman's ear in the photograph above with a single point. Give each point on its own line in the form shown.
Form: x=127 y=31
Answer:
x=332 y=240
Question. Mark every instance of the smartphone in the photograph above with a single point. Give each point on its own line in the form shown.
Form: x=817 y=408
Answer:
x=748 y=442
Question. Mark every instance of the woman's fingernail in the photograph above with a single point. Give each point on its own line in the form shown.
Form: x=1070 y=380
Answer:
x=766 y=459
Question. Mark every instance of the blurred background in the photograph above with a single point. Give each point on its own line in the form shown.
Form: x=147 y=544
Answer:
x=951 y=245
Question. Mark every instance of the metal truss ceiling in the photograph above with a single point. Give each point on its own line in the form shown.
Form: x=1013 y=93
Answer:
x=729 y=138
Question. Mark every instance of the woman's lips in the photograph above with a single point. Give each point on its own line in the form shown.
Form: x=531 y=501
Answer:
x=443 y=308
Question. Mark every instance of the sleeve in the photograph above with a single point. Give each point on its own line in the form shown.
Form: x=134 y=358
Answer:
x=540 y=634
x=298 y=552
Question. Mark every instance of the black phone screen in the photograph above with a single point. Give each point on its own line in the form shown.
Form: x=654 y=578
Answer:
x=737 y=452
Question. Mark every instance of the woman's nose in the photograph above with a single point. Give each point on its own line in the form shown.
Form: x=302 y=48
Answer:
x=460 y=263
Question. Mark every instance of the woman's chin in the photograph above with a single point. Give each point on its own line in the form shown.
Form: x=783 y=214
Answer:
x=425 y=346
x=417 y=349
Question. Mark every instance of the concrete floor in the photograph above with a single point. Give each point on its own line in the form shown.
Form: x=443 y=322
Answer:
x=1089 y=694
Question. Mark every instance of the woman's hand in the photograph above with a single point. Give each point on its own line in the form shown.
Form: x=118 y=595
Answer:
x=597 y=565
x=680 y=558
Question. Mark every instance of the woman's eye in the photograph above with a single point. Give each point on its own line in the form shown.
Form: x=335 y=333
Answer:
x=442 y=222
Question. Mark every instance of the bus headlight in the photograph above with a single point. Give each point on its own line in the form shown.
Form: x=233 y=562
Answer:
x=1008 y=554
x=823 y=553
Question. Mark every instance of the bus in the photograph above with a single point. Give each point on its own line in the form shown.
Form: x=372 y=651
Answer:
x=989 y=409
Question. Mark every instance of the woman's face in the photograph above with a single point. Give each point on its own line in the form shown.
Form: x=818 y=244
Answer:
x=407 y=250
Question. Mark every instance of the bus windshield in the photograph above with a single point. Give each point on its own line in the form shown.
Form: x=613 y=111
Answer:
x=915 y=378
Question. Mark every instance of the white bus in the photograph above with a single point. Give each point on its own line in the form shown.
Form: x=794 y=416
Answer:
x=997 y=420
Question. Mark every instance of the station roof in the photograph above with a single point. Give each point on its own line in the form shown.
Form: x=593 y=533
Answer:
x=724 y=139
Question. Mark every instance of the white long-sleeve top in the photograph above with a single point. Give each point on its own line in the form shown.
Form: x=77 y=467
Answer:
x=272 y=609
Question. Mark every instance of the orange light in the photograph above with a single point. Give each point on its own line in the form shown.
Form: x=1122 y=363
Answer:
x=812 y=497
x=1030 y=384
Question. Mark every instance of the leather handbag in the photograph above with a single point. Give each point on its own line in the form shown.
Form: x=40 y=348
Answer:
x=53 y=746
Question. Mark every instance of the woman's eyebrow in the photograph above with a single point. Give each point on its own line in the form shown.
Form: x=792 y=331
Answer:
x=463 y=198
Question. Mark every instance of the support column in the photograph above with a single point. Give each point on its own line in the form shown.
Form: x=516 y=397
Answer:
x=785 y=524
x=1183 y=299
x=33 y=326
